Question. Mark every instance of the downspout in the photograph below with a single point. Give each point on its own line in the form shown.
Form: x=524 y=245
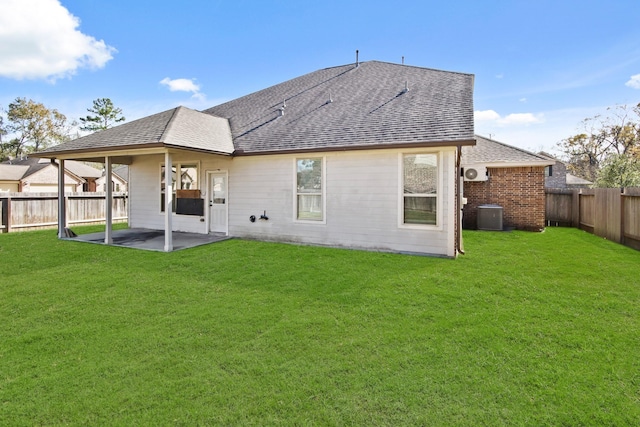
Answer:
x=459 y=188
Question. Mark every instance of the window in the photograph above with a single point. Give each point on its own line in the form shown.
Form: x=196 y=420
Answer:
x=420 y=189
x=548 y=171
x=188 y=181
x=309 y=189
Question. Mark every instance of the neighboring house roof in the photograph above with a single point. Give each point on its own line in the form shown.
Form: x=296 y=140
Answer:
x=121 y=171
x=576 y=180
x=33 y=165
x=82 y=169
x=492 y=153
x=12 y=172
x=366 y=105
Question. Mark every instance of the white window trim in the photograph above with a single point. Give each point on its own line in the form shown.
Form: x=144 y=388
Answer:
x=439 y=196
x=323 y=191
x=178 y=165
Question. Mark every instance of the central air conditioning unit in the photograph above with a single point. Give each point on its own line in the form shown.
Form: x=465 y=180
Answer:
x=475 y=173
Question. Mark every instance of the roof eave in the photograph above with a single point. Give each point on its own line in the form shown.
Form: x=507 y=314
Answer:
x=538 y=163
x=128 y=149
x=386 y=146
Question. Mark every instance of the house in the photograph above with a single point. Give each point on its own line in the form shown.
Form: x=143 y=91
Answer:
x=36 y=175
x=363 y=156
x=499 y=174
x=557 y=176
x=40 y=175
x=119 y=178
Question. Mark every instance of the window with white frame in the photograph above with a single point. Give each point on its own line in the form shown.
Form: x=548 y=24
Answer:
x=189 y=180
x=309 y=189
x=420 y=189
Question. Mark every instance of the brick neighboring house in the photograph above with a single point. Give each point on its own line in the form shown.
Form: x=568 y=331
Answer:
x=514 y=179
x=556 y=175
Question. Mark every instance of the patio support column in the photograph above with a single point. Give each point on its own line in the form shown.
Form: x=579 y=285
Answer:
x=168 y=203
x=108 y=202
x=62 y=212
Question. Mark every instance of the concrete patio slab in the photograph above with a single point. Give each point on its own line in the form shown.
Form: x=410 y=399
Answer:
x=151 y=240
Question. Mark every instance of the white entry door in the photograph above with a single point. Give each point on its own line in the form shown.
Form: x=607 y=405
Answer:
x=218 y=203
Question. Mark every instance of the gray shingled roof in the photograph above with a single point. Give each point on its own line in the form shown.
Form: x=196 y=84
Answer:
x=576 y=180
x=490 y=152
x=82 y=169
x=178 y=127
x=35 y=164
x=12 y=172
x=373 y=104
x=350 y=106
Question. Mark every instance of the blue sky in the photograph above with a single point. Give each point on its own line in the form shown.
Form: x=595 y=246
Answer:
x=540 y=66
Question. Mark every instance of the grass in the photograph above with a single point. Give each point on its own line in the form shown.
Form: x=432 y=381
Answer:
x=526 y=329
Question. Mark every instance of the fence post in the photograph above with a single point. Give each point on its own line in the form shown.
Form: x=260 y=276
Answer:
x=622 y=200
x=575 y=208
x=6 y=214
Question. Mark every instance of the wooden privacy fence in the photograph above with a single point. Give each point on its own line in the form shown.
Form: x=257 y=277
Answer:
x=30 y=211
x=612 y=213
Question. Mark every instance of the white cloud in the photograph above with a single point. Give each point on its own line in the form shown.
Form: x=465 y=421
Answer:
x=521 y=119
x=500 y=76
x=523 y=100
x=185 y=85
x=517 y=119
x=634 y=82
x=181 y=85
x=487 y=115
x=39 y=39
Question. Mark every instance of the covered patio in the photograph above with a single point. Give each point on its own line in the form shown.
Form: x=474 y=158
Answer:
x=163 y=136
x=151 y=240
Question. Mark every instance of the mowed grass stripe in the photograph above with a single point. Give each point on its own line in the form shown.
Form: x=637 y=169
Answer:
x=525 y=329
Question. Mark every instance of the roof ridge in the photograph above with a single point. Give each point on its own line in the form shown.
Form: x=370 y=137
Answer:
x=418 y=67
x=167 y=128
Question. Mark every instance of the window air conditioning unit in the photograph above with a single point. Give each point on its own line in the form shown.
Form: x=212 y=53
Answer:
x=475 y=173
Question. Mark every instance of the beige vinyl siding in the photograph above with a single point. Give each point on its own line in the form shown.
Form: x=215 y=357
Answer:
x=49 y=188
x=144 y=191
x=10 y=186
x=361 y=208
x=363 y=200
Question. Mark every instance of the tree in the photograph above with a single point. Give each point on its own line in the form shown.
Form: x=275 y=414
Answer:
x=619 y=170
x=603 y=136
x=31 y=127
x=105 y=116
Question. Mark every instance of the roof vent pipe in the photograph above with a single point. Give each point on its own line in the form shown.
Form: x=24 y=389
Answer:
x=406 y=87
x=330 y=98
x=357 y=63
x=403 y=60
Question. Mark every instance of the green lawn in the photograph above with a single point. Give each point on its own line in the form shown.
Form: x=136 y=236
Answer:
x=526 y=329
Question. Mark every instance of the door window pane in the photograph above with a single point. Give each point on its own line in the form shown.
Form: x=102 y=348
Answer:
x=219 y=193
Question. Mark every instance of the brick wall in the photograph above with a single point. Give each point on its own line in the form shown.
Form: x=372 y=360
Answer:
x=520 y=192
x=558 y=178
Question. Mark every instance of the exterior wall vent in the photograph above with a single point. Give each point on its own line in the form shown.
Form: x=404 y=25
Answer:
x=490 y=217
